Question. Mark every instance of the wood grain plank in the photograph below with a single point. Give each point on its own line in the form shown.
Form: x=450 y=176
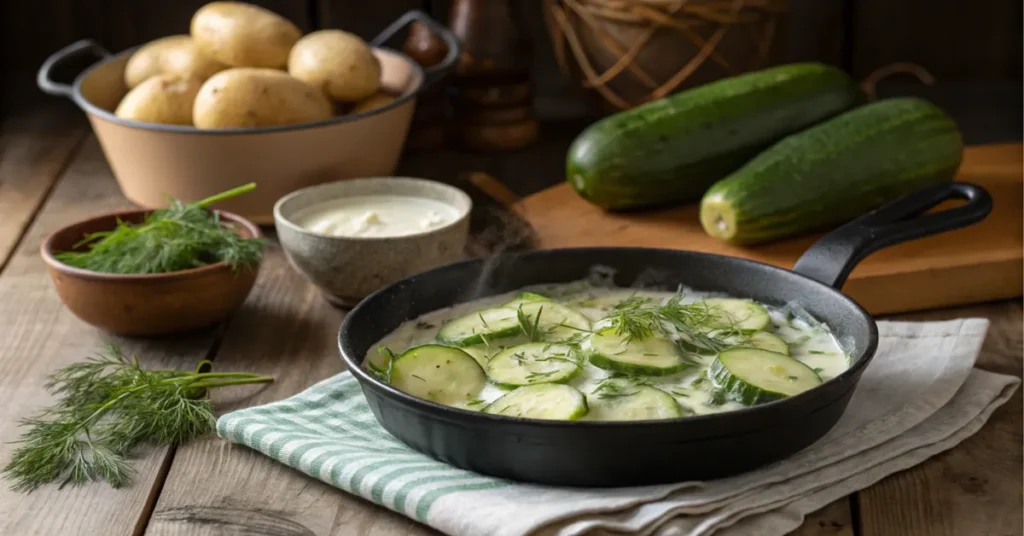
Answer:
x=215 y=487
x=35 y=148
x=834 y=519
x=38 y=335
x=976 y=488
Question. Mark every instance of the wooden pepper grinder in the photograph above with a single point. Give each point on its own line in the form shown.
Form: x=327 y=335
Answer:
x=429 y=123
x=492 y=94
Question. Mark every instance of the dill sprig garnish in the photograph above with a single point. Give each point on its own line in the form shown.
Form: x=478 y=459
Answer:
x=618 y=387
x=696 y=323
x=635 y=318
x=539 y=375
x=107 y=406
x=561 y=358
x=546 y=361
x=180 y=237
x=531 y=330
x=718 y=397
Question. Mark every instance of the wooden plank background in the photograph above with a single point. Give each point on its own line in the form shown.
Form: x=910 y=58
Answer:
x=957 y=40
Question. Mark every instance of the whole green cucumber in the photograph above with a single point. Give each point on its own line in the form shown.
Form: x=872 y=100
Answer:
x=834 y=172
x=671 y=150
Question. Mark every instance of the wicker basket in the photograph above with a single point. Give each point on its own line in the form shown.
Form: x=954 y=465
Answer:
x=628 y=52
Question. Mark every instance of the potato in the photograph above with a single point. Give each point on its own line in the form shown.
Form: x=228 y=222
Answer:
x=376 y=101
x=244 y=35
x=257 y=97
x=164 y=98
x=176 y=54
x=338 y=63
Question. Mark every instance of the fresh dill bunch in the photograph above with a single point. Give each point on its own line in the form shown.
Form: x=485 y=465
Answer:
x=180 y=237
x=108 y=405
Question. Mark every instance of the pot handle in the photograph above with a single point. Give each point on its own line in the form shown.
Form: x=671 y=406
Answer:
x=434 y=73
x=831 y=259
x=73 y=51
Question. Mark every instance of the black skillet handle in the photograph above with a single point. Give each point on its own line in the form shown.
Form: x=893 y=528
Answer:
x=831 y=259
x=434 y=72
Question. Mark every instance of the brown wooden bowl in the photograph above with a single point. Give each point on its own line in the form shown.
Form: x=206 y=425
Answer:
x=146 y=304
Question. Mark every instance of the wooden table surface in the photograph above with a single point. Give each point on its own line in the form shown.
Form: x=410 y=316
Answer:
x=52 y=172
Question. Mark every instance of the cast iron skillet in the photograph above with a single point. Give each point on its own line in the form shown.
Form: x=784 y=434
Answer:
x=647 y=452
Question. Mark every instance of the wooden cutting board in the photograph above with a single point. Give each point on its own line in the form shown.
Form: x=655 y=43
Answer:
x=980 y=263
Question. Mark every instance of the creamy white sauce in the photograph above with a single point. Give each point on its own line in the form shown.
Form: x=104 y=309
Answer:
x=376 y=216
x=809 y=341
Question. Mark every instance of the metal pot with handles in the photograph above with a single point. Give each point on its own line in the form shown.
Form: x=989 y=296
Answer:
x=154 y=161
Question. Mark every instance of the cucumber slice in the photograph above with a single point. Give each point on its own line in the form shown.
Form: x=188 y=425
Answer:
x=526 y=297
x=557 y=322
x=536 y=362
x=621 y=400
x=438 y=373
x=479 y=327
x=541 y=401
x=766 y=341
x=380 y=361
x=653 y=356
x=484 y=352
x=480 y=352
x=739 y=314
x=752 y=376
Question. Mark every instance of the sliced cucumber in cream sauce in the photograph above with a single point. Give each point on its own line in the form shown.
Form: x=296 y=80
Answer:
x=536 y=362
x=438 y=373
x=533 y=355
x=623 y=400
x=752 y=376
x=480 y=327
x=541 y=401
x=744 y=315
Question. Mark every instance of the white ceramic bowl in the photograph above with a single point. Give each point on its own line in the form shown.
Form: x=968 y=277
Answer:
x=347 y=269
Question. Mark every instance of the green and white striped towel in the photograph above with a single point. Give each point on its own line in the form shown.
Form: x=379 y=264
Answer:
x=919 y=396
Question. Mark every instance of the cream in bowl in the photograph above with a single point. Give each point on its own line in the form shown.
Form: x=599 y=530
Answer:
x=376 y=216
x=352 y=237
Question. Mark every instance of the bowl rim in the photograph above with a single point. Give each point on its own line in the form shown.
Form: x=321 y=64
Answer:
x=419 y=82
x=46 y=251
x=281 y=219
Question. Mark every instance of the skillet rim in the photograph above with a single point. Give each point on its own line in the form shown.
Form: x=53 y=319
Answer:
x=450 y=413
